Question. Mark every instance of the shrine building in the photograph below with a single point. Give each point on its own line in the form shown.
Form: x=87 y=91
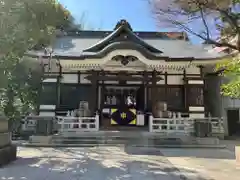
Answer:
x=105 y=69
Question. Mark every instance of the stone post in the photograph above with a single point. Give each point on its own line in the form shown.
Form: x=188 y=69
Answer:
x=8 y=151
x=237 y=153
x=150 y=123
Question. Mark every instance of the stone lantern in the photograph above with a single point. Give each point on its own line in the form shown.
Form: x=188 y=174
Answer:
x=8 y=151
x=160 y=110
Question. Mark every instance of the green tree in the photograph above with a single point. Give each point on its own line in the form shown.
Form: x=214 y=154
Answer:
x=24 y=25
x=218 y=23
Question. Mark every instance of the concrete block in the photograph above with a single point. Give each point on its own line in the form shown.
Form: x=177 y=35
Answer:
x=5 y=139
x=40 y=139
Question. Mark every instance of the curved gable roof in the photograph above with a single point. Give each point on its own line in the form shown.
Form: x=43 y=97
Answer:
x=96 y=44
x=123 y=33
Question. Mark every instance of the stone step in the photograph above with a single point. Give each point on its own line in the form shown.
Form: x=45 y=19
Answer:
x=125 y=137
x=134 y=140
x=116 y=140
x=136 y=134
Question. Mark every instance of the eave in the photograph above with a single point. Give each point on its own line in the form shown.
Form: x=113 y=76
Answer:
x=142 y=50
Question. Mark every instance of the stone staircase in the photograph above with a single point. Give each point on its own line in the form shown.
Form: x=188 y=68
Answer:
x=135 y=138
x=128 y=138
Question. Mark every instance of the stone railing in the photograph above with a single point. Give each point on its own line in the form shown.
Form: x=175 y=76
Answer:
x=36 y=124
x=29 y=123
x=78 y=124
x=183 y=126
x=167 y=125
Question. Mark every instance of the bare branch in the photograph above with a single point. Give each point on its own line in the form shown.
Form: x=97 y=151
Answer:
x=205 y=23
x=181 y=13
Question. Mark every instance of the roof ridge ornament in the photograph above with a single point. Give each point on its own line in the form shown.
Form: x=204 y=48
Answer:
x=123 y=23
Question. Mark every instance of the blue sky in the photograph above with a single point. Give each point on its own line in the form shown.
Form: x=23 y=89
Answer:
x=104 y=14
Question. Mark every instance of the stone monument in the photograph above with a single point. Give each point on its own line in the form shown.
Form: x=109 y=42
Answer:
x=8 y=151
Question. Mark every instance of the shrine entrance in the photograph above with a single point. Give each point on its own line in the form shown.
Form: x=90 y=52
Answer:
x=120 y=105
x=120 y=96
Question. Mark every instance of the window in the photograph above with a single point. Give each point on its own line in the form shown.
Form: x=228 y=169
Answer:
x=195 y=96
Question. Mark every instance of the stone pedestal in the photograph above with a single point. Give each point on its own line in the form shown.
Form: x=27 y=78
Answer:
x=237 y=153
x=8 y=152
x=5 y=139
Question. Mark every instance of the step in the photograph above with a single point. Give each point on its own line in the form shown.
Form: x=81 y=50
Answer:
x=117 y=140
x=133 y=140
x=26 y=144
x=109 y=133
x=127 y=134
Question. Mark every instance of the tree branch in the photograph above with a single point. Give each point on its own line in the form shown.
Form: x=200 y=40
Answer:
x=209 y=40
x=205 y=23
x=201 y=7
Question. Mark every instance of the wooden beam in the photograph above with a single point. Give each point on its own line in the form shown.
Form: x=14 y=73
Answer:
x=122 y=78
x=149 y=73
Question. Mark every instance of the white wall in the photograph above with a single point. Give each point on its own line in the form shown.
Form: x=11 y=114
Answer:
x=176 y=79
x=83 y=80
x=50 y=80
x=197 y=112
x=69 y=78
x=193 y=70
x=47 y=110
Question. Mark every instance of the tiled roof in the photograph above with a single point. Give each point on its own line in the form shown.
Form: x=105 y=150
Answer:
x=72 y=46
x=175 y=45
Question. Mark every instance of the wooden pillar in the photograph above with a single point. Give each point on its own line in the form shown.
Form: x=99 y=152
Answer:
x=58 y=91
x=201 y=71
x=166 y=86
x=58 y=86
x=185 y=90
x=79 y=77
x=102 y=73
x=145 y=90
x=153 y=88
x=94 y=93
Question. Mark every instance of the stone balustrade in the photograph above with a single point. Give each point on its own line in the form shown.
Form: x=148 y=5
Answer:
x=184 y=126
x=76 y=124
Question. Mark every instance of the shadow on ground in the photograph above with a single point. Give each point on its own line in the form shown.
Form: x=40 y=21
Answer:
x=184 y=152
x=94 y=163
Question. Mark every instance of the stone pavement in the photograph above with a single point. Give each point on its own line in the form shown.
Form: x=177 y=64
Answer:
x=216 y=164
x=230 y=144
x=116 y=163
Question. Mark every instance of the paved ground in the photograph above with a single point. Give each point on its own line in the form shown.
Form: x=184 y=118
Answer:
x=116 y=163
x=215 y=164
x=230 y=144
